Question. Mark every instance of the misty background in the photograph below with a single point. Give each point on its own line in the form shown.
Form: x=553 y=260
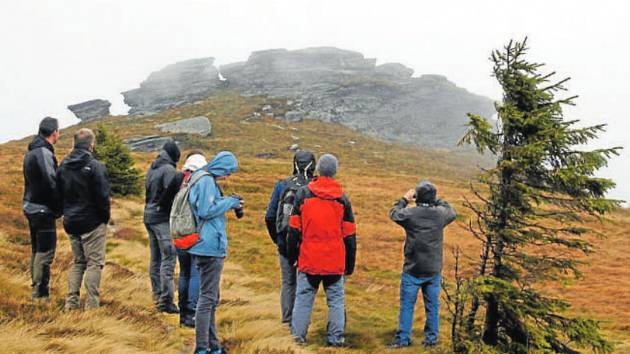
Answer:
x=60 y=53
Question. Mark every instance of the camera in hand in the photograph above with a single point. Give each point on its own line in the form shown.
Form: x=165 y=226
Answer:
x=239 y=212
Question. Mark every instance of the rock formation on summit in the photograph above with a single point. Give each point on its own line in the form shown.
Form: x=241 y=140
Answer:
x=176 y=84
x=331 y=85
x=90 y=110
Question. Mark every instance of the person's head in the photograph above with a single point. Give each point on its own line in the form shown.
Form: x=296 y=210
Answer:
x=194 y=152
x=84 y=139
x=304 y=163
x=172 y=150
x=327 y=165
x=222 y=165
x=194 y=161
x=426 y=193
x=49 y=129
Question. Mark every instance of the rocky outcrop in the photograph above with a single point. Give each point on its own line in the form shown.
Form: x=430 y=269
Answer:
x=90 y=110
x=331 y=85
x=176 y=84
x=198 y=125
x=148 y=143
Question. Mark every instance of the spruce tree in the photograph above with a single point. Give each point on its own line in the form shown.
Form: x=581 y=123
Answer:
x=531 y=210
x=110 y=150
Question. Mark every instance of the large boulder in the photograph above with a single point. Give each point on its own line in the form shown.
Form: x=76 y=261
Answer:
x=90 y=110
x=176 y=84
x=197 y=125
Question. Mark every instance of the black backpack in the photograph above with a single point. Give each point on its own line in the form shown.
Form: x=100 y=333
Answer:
x=287 y=200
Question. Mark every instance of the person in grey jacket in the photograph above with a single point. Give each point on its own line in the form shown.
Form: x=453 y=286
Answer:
x=156 y=220
x=424 y=227
x=41 y=204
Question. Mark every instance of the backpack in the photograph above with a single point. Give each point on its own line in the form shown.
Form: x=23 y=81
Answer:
x=182 y=221
x=286 y=202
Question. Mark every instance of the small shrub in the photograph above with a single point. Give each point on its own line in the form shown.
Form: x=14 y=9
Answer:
x=110 y=150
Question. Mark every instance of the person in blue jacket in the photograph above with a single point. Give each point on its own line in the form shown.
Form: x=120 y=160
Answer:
x=209 y=207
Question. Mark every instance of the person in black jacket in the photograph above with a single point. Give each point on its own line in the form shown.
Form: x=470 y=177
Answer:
x=41 y=203
x=84 y=189
x=424 y=227
x=280 y=207
x=159 y=200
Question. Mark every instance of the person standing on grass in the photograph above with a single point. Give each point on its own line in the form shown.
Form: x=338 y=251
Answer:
x=41 y=204
x=83 y=186
x=156 y=220
x=322 y=239
x=424 y=226
x=277 y=220
x=209 y=206
x=188 y=274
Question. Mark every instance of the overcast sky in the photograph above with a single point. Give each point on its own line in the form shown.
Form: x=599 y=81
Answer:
x=55 y=53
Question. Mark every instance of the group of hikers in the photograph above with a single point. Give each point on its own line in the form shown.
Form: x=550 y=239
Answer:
x=309 y=218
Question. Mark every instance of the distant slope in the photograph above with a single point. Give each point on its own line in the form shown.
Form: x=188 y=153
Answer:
x=373 y=173
x=327 y=84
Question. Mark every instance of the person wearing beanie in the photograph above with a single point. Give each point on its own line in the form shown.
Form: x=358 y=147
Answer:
x=188 y=289
x=84 y=190
x=424 y=226
x=322 y=240
x=41 y=204
x=277 y=221
x=157 y=211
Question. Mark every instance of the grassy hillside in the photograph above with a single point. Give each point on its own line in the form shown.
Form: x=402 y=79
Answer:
x=373 y=173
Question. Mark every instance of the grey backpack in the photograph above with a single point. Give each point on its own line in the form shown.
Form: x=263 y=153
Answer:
x=182 y=220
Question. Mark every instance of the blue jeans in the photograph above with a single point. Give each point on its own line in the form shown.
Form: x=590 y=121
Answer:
x=188 y=285
x=409 y=287
x=307 y=286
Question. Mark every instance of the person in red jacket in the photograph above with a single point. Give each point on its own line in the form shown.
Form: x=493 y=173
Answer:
x=322 y=239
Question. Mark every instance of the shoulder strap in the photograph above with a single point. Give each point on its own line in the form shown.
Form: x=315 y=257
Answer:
x=196 y=177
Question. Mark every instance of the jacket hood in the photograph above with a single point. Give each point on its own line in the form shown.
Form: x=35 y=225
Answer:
x=325 y=188
x=39 y=142
x=163 y=159
x=304 y=163
x=77 y=159
x=223 y=164
x=425 y=192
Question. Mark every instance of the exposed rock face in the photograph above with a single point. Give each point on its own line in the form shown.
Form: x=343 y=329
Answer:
x=333 y=85
x=176 y=84
x=90 y=110
x=148 y=143
x=198 y=125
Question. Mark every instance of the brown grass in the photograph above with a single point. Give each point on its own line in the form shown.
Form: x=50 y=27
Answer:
x=373 y=173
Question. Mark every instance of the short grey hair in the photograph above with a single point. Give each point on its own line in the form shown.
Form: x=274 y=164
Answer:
x=83 y=138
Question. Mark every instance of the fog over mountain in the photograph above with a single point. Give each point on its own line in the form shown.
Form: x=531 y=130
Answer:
x=55 y=55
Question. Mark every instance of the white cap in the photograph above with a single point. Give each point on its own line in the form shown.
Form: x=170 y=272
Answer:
x=195 y=162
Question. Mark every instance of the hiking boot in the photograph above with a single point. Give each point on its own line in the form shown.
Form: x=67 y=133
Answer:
x=429 y=344
x=336 y=344
x=300 y=341
x=187 y=322
x=170 y=308
x=398 y=345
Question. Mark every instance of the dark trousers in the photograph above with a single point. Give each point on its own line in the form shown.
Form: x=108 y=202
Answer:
x=210 y=269
x=43 y=244
x=162 y=263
